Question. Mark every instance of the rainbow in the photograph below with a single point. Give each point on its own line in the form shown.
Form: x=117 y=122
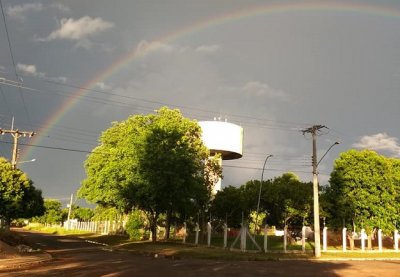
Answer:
x=146 y=48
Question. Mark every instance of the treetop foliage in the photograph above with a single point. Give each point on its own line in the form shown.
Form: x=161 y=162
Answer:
x=284 y=199
x=365 y=191
x=18 y=197
x=154 y=162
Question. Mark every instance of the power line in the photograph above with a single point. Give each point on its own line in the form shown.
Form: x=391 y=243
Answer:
x=268 y=169
x=110 y=92
x=61 y=148
x=13 y=62
x=104 y=153
x=260 y=123
x=16 y=134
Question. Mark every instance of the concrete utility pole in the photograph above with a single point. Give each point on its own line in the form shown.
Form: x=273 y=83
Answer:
x=317 y=240
x=16 y=134
x=69 y=211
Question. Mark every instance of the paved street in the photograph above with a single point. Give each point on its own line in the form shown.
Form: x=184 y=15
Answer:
x=75 y=257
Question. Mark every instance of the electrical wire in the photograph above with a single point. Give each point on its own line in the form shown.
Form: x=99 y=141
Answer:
x=13 y=62
x=103 y=153
x=60 y=148
x=267 y=169
x=112 y=93
x=276 y=124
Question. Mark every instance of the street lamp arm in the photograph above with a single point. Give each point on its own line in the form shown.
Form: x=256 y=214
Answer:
x=26 y=161
x=259 y=193
x=266 y=159
x=323 y=156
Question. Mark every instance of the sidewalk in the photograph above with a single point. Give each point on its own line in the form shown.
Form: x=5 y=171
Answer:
x=24 y=261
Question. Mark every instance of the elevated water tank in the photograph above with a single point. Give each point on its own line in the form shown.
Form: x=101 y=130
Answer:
x=224 y=138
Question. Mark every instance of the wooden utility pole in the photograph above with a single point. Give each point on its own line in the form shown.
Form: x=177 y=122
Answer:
x=16 y=134
x=317 y=239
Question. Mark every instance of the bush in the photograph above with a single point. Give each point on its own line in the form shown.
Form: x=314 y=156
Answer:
x=136 y=225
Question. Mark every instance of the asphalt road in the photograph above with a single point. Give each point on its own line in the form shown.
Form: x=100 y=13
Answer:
x=75 y=257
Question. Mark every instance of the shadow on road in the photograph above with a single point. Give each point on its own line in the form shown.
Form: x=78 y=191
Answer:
x=75 y=257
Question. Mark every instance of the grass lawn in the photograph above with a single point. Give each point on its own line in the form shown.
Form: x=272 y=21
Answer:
x=54 y=230
x=175 y=249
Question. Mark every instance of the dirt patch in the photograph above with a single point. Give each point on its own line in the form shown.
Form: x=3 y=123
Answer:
x=7 y=251
x=12 y=245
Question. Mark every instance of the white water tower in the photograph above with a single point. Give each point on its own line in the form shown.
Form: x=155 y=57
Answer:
x=223 y=138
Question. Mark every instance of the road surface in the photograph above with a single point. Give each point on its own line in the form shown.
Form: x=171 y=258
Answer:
x=75 y=257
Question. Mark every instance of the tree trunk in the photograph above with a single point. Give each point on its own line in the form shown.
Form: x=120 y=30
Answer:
x=369 y=246
x=153 y=226
x=351 y=240
x=168 y=224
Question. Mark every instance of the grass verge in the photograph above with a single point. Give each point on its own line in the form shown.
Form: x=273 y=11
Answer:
x=54 y=230
x=177 y=250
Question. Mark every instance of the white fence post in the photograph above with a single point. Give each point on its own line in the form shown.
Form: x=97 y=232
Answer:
x=243 y=232
x=362 y=240
x=208 y=234
x=380 y=240
x=225 y=235
x=285 y=239
x=184 y=232
x=303 y=239
x=396 y=240
x=325 y=239
x=266 y=238
x=344 y=239
x=196 y=240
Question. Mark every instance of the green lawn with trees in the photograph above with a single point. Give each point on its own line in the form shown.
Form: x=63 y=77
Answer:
x=154 y=171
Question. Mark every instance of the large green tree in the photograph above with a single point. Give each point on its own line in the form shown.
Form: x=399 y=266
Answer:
x=154 y=162
x=18 y=197
x=364 y=191
x=284 y=199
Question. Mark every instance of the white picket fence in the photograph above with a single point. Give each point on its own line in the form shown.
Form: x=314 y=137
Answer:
x=99 y=227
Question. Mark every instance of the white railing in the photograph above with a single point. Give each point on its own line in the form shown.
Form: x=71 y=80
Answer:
x=99 y=227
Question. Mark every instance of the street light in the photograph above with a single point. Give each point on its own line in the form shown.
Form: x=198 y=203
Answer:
x=317 y=242
x=26 y=161
x=259 y=193
x=323 y=156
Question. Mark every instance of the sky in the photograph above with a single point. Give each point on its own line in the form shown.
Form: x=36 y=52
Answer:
x=68 y=69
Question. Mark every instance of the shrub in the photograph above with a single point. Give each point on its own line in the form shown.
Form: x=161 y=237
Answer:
x=136 y=225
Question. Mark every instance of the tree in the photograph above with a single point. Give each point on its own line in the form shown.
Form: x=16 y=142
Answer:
x=18 y=197
x=365 y=191
x=288 y=200
x=53 y=213
x=82 y=214
x=154 y=162
x=284 y=200
x=229 y=206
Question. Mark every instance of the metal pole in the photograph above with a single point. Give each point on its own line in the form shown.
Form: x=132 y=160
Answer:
x=259 y=193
